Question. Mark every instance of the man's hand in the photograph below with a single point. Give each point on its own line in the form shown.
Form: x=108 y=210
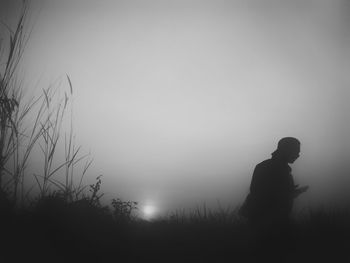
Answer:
x=299 y=190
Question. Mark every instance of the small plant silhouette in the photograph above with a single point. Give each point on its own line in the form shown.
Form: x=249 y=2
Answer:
x=94 y=189
x=122 y=210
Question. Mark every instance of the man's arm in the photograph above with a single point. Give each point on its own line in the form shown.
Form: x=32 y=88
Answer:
x=299 y=190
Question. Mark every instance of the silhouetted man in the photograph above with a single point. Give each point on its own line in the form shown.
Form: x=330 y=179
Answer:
x=272 y=189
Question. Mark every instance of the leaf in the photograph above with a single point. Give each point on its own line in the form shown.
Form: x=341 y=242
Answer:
x=46 y=97
x=65 y=100
x=70 y=85
x=38 y=182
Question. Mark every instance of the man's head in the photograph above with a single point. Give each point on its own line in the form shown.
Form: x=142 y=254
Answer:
x=288 y=149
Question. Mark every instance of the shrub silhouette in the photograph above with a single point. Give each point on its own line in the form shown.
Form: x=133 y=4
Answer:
x=122 y=210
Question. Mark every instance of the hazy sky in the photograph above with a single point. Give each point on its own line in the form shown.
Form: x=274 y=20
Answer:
x=179 y=100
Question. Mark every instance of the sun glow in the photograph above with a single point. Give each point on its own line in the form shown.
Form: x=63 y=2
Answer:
x=149 y=211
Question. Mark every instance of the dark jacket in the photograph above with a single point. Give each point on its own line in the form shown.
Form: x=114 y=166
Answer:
x=271 y=191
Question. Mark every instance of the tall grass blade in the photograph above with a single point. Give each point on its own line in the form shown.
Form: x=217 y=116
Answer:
x=70 y=85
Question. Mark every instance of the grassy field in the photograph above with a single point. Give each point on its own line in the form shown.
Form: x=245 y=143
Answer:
x=53 y=230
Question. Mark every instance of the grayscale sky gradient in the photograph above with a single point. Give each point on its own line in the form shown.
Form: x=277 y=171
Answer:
x=179 y=100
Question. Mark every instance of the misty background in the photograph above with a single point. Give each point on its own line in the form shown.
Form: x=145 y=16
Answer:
x=177 y=101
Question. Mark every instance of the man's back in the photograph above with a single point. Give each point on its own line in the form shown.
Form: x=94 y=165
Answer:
x=271 y=189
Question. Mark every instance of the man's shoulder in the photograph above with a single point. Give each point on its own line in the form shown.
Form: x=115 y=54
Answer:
x=272 y=164
x=265 y=164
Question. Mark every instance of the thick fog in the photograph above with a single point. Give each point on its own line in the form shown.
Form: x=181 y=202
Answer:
x=179 y=100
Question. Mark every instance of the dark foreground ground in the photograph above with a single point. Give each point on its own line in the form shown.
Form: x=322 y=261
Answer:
x=82 y=233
